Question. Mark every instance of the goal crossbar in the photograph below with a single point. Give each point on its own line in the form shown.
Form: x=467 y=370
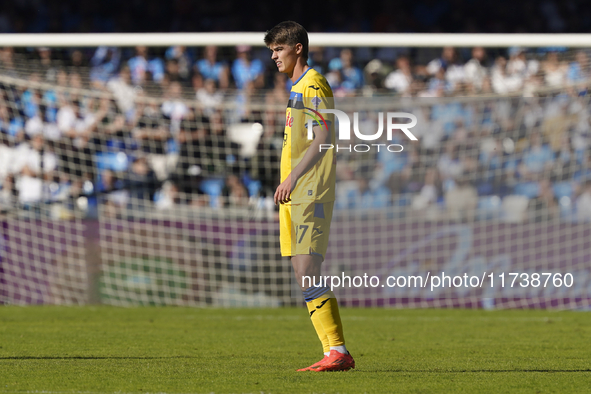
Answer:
x=316 y=39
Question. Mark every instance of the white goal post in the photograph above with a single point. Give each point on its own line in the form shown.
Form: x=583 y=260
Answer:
x=316 y=39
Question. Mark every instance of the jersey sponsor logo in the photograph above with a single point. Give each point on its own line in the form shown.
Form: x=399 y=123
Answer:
x=288 y=119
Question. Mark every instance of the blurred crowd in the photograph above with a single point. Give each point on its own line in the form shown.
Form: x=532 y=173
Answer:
x=86 y=125
x=211 y=73
x=510 y=159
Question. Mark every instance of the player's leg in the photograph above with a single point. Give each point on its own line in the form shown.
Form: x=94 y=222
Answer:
x=286 y=229
x=311 y=269
x=321 y=302
x=300 y=231
x=302 y=268
x=312 y=228
x=324 y=312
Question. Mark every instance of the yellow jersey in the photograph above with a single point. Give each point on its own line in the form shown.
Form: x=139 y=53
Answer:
x=310 y=93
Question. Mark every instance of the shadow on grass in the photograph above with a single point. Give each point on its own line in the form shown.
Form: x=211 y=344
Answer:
x=475 y=370
x=90 y=358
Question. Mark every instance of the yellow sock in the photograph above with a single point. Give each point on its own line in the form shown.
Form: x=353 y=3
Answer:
x=318 y=327
x=327 y=313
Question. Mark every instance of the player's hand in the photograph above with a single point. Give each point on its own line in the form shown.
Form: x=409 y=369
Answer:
x=283 y=192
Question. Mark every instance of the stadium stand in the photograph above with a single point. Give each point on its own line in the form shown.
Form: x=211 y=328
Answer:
x=98 y=120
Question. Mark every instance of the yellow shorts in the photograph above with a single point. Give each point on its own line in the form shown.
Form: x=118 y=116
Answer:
x=304 y=228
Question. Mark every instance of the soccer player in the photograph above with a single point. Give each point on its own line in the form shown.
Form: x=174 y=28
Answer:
x=307 y=191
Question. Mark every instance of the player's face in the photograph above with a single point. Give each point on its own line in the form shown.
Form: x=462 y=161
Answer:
x=284 y=56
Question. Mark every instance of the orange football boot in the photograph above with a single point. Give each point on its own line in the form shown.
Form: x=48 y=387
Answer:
x=315 y=365
x=336 y=362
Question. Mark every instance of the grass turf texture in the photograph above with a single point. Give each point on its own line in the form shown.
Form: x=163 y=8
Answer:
x=181 y=350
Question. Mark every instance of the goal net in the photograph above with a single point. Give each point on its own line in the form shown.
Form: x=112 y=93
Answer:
x=145 y=176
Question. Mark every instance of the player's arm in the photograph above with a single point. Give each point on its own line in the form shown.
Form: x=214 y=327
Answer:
x=311 y=157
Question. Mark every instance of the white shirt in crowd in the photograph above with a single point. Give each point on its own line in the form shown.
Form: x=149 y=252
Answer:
x=67 y=120
x=124 y=94
x=475 y=73
x=399 y=81
x=24 y=155
x=176 y=111
x=30 y=189
x=34 y=126
x=6 y=161
x=209 y=101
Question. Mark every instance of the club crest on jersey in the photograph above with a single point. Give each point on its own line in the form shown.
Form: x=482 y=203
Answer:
x=316 y=101
x=296 y=100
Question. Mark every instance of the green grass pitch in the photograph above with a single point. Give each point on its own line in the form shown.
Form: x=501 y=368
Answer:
x=183 y=350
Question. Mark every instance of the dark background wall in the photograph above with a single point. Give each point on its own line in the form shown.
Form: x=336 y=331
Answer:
x=506 y=16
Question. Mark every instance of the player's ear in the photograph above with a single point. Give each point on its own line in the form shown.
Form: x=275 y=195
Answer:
x=299 y=48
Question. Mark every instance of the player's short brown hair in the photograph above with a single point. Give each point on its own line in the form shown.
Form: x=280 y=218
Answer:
x=288 y=33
